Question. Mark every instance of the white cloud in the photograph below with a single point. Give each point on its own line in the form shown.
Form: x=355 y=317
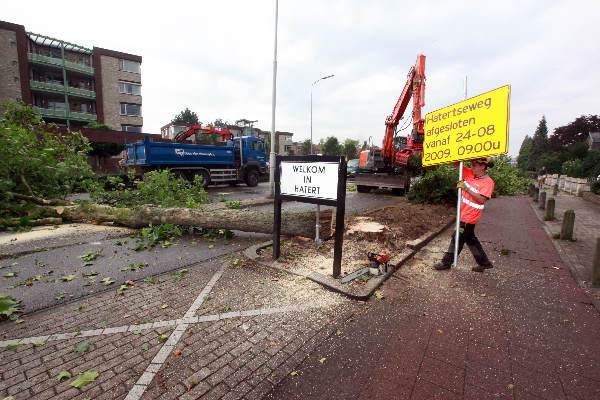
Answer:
x=217 y=57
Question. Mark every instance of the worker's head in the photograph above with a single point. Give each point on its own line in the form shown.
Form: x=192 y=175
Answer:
x=485 y=161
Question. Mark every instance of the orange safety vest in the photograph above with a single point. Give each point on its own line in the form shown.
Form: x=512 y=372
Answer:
x=471 y=210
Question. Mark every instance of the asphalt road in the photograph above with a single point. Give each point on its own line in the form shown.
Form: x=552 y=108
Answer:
x=52 y=259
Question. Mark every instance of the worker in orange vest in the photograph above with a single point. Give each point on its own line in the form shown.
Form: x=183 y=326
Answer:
x=477 y=188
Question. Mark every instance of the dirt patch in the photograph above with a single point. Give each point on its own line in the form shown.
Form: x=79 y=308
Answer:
x=381 y=230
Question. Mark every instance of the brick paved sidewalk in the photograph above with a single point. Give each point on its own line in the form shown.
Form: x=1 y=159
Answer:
x=522 y=330
x=578 y=254
x=228 y=329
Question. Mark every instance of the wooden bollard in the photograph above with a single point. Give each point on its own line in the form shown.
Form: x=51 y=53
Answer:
x=542 y=202
x=531 y=186
x=536 y=193
x=566 y=232
x=554 y=190
x=550 y=204
x=596 y=265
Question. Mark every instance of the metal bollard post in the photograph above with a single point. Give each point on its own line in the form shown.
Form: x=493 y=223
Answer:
x=566 y=232
x=596 y=265
x=550 y=204
x=542 y=203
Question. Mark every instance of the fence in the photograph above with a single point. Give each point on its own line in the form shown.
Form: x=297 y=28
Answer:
x=567 y=184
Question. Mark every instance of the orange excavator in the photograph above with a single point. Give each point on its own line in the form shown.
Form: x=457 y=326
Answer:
x=208 y=130
x=386 y=167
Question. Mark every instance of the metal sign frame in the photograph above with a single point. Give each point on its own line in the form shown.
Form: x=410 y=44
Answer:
x=339 y=203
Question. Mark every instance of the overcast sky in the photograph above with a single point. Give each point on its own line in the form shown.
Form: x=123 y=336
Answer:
x=216 y=57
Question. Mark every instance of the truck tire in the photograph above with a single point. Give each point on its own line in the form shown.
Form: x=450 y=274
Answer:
x=398 y=191
x=252 y=178
x=205 y=177
x=363 y=189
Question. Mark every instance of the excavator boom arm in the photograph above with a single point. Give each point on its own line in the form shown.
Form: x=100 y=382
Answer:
x=414 y=87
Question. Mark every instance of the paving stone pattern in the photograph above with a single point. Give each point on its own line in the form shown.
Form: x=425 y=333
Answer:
x=522 y=330
x=254 y=327
x=580 y=252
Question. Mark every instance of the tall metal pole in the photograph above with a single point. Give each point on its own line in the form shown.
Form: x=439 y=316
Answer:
x=459 y=201
x=273 y=134
x=311 y=90
x=318 y=217
x=311 y=142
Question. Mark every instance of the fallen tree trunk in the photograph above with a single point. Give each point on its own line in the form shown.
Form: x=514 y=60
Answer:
x=294 y=223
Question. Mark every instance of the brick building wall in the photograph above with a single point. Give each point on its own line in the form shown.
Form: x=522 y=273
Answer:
x=111 y=96
x=10 y=85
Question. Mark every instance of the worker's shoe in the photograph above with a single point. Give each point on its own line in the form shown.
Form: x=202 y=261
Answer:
x=441 y=266
x=482 y=267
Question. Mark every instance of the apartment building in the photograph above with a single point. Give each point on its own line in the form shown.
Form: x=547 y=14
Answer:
x=69 y=84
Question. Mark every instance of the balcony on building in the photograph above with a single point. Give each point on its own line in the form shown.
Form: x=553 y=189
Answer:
x=58 y=54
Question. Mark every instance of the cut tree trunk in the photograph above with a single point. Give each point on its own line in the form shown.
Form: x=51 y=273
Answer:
x=293 y=223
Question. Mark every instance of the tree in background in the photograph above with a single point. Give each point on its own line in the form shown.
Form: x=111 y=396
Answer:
x=350 y=148
x=219 y=123
x=539 y=145
x=186 y=117
x=576 y=131
x=524 y=152
x=331 y=147
x=305 y=149
x=364 y=146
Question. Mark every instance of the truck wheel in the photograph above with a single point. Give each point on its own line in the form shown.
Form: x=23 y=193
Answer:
x=252 y=178
x=363 y=189
x=205 y=177
x=398 y=191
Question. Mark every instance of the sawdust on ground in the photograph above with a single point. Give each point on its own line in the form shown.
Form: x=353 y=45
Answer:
x=399 y=225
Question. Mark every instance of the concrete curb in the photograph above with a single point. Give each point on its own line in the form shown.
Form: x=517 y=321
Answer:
x=565 y=259
x=334 y=284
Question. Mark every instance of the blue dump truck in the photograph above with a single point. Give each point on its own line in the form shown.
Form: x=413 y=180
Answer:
x=228 y=162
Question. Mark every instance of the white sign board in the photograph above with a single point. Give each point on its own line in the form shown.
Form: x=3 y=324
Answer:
x=317 y=180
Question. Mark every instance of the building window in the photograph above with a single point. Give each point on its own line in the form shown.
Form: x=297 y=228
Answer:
x=131 y=128
x=130 y=88
x=131 y=109
x=129 y=66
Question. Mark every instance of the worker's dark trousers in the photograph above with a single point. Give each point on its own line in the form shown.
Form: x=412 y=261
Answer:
x=467 y=236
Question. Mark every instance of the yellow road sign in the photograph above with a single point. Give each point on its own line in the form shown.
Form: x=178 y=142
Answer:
x=473 y=128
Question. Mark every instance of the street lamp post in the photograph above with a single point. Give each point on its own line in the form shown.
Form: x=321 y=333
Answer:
x=317 y=224
x=311 y=90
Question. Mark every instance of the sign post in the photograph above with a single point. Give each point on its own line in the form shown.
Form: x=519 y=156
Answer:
x=474 y=128
x=316 y=180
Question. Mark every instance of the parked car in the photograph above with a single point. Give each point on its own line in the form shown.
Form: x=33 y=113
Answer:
x=352 y=168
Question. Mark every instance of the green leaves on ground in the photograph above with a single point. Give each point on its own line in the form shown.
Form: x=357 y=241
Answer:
x=163 y=234
x=179 y=275
x=378 y=294
x=13 y=346
x=11 y=275
x=82 y=347
x=9 y=307
x=90 y=256
x=107 y=281
x=163 y=337
x=68 y=278
x=85 y=378
x=145 y=346
x=63 y=375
